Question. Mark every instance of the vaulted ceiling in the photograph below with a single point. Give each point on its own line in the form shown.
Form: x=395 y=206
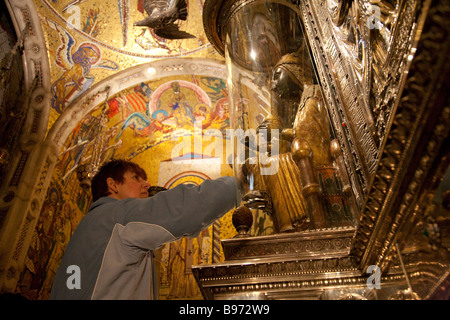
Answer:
x=78 y=54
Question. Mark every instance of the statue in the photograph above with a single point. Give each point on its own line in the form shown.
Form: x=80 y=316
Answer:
x=276 y=185
x=294 y=195
x=162 y=15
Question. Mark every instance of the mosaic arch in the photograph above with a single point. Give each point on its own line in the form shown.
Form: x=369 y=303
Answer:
x=88 y=41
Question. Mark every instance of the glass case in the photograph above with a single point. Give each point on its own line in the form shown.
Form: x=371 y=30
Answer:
x=258 y=37
x=280 y=127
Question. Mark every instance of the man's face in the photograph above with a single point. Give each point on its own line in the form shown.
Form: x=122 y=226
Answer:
x=133 y=186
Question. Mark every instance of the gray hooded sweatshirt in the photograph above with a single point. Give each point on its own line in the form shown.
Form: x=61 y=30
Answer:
x=110 y=255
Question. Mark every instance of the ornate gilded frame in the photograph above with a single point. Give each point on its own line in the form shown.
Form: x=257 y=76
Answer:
x=388 y=103
x=393 y=122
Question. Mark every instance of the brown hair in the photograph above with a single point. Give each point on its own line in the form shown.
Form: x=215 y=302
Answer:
x=113 y=169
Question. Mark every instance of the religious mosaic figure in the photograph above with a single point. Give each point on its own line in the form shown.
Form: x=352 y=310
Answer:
x=77 y=62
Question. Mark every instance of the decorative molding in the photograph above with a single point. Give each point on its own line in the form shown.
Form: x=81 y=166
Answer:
x=316 y=275
x=361 y=73
x=415 y=144
x=325 y=242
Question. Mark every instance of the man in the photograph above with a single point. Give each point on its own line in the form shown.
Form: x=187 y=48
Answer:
x=110 y=255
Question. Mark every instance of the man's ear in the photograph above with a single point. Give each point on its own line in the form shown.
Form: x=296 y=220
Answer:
x=112 y=186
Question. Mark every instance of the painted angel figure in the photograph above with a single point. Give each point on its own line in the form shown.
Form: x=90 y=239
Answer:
x=143 y=126
x=76 y=62
x=137 y=122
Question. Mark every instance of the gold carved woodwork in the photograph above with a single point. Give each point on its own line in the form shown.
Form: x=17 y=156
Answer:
x=383 y=75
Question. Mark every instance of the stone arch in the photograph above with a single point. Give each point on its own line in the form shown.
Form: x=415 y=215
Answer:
x=18 y=209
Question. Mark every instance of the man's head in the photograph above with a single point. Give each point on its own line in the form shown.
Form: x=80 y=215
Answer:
x=120 y=179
